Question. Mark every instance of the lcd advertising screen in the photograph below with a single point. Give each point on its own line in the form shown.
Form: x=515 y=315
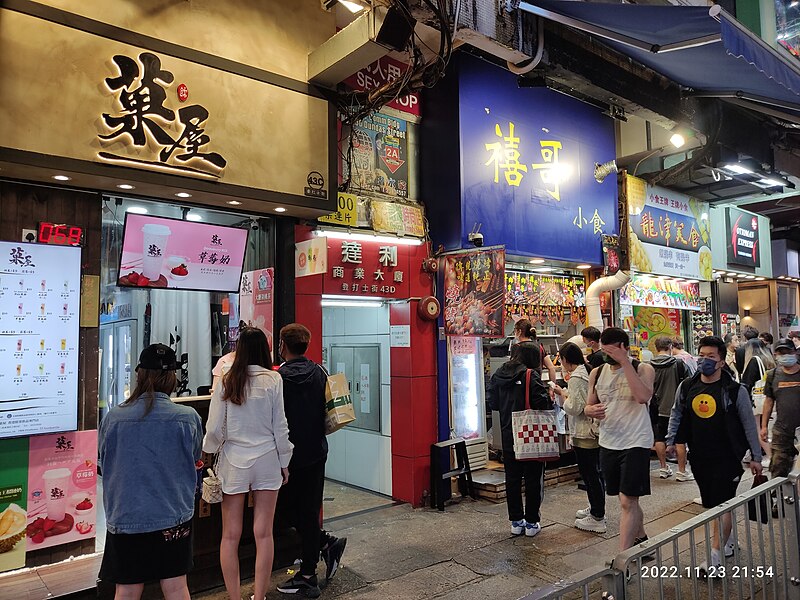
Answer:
x=158 y=252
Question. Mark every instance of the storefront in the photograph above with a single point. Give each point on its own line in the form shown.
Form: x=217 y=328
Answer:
x=518 y=217
x=743 y=271
x=670 y=251
x=216 y=187
x=786 y=270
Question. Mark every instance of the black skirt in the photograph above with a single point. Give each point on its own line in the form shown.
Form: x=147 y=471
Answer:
x=131 y=558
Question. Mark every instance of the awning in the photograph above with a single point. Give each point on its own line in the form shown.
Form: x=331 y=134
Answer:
x=715 y=56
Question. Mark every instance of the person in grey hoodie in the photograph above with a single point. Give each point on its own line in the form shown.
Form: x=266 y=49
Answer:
x=506 y=394
x=713 y=415
x=584 y=433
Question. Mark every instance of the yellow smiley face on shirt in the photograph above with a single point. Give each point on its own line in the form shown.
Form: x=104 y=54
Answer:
x=704 y=406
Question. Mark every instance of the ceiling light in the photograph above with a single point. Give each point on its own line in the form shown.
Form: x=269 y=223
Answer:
x=193 y=216
x=749 y=276
x=677 y=140
x=337 y=234
x=139 y=210
x=183 y=195
x=234 y=202
x=738 y=169
x=543 y=269
x=125 y=186
x=536 y=261
x=352 y=303
x=61 y=178
x=353 y=7
x=280 y=209
x=583 y=267
x=760 y=278
x=770 y=182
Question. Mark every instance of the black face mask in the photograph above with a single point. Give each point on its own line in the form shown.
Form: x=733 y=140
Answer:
x=610 y=360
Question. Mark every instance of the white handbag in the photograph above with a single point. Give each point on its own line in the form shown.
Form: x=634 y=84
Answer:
x=758 y=394
x=212 y=485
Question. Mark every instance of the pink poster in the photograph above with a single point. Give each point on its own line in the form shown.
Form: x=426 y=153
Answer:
x=185 y=255
x=256 y=297
x=62 y=488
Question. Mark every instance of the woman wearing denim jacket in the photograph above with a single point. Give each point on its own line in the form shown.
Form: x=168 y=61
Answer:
x=149 y=448
x=247 y=427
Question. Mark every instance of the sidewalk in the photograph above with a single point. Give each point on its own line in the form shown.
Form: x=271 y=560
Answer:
x=468 y=552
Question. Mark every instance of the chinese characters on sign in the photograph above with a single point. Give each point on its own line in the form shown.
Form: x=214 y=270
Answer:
x=379 y=156
x=311 y=257
x=256 y=300
x=669 y=232
x=367 y=268
x=163 y=139
x=402 y=219
x=664 y=293
x=474 y=297
x=346 y=211
x=382 y=71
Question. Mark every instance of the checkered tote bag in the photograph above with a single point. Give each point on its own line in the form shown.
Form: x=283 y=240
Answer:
x=535 y=431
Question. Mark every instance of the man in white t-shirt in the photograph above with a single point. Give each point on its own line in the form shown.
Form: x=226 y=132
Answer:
x=619 y=394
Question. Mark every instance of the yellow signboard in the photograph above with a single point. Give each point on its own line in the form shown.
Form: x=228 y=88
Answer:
x=346 y=211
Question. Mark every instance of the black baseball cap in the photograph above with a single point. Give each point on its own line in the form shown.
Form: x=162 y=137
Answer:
x=158 y=357
x=784 y=344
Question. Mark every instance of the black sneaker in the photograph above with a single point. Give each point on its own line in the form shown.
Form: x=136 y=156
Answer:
x=302 y=586
x=332 y=555
x=647 y=557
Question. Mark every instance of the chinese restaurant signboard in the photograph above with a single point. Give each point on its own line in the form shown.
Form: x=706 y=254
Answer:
x=402 y=219
x=527 y=167
x=663 y=293
x=743 y=246
x=669 y=232
x=379 y=156
x=474 y=294
x=361 y=268
x=379 y=73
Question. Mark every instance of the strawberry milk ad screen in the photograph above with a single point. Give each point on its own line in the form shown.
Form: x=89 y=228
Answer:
x=170 y=253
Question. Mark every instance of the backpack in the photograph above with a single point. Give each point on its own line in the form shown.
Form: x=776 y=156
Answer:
x=733 y=424
x=653 y=398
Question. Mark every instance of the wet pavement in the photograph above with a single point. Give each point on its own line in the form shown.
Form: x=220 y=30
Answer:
x=468 y=551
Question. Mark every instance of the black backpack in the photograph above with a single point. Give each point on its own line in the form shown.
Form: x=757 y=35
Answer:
x=655 y=401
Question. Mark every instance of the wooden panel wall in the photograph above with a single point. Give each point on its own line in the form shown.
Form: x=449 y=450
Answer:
x=23 y=207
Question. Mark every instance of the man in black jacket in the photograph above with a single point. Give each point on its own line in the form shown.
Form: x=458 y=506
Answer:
x=304 y=404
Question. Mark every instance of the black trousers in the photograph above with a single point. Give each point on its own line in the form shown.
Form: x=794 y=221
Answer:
x=589 y=467
x=303 y=496
x=533 y=473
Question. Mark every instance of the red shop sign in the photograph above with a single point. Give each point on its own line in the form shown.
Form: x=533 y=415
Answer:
x=380 y=72
x=360 y=268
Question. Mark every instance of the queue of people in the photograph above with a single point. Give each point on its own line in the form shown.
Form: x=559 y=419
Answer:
x=267 y=429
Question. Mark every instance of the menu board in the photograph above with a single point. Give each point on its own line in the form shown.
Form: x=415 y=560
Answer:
x=473 y=292
x=39 y=313
x=663 y=293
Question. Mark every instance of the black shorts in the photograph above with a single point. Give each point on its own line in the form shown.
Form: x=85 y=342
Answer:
x=143 y=557
x=717 y=483
x=626 y=471
x=660 y=428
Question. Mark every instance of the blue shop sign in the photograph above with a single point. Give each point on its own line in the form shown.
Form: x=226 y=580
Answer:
x=527 y=167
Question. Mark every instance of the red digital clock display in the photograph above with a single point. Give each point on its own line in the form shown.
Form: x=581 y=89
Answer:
x=60 y=234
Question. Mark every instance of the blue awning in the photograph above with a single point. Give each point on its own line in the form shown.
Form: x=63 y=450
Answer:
x=715 y=56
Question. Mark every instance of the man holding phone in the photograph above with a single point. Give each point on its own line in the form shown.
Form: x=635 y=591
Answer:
x=619 y=394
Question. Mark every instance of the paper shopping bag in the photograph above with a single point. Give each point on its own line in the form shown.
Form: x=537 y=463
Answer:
x=338 y=403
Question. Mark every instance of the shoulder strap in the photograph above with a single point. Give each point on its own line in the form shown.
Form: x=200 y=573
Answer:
x=635 y=364
x=541 y=356
x=761 y=369
x=599 y=371
x=527 y=389
x=681 y=370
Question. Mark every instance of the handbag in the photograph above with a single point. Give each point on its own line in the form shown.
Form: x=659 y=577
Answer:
x=758 y=394
x=752 y=509
x=535 y=431
x=212 y=485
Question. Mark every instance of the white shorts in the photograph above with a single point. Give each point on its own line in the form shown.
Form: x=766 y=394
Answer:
x=264 y=474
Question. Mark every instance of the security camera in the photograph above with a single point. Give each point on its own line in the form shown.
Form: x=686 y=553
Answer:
x=254 y=224
x=476 y=239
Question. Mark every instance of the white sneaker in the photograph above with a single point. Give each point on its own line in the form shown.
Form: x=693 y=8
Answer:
x=729 y=550
x=531 y=529
x=684 y=476
x=583 y=513
x=665 y=472
x=591 y=524
x=517 y=527
x=698 y=501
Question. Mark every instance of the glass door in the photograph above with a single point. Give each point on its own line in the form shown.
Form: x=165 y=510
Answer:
x=118 y=349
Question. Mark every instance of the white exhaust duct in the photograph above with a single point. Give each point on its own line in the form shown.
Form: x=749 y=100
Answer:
x=613 y=282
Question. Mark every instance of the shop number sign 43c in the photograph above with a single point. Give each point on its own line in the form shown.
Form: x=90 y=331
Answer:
x=59 y=234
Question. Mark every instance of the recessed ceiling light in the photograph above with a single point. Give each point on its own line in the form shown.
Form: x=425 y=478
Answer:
x=760 y=278
x=583 y=267
x=234 y=202
x=61 y=178
x=183 y=195
x=193 y=216
x=139 y=210
x=537 y=261
x=125 y=186
x=280 y=209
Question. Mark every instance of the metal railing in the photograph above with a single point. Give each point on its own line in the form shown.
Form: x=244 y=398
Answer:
x=764 y=562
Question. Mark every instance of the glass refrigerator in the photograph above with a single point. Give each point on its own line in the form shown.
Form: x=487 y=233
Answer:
x=466 y=393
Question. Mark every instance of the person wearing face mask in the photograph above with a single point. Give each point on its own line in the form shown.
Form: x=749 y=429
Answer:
x=782 y=392
x=619 y=394
x=714 y=416
x=525 y=332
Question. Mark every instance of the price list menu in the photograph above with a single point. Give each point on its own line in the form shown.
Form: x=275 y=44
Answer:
x=39 y=325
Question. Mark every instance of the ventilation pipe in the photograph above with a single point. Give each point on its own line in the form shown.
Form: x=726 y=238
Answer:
x=604 y=284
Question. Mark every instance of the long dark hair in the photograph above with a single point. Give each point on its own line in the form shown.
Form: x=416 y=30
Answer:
x=572 y=354
x=527 y=354
x=148 y=382
x=252 y=348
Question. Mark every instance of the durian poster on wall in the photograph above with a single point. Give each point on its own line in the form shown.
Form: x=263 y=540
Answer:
x=13 y=502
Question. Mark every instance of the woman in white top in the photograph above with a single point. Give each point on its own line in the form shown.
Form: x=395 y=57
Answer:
x=247 y=426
